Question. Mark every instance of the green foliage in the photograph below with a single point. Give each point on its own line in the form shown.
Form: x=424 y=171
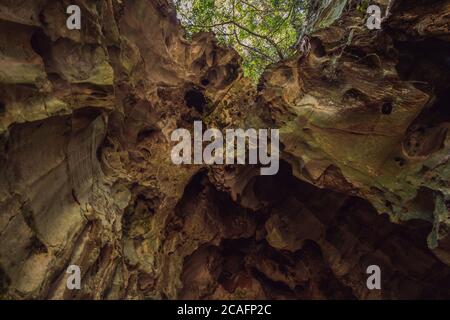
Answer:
x=362 y=6
x=262 y=31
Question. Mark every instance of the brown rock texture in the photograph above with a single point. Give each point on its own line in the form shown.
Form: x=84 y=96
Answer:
x=86 y=177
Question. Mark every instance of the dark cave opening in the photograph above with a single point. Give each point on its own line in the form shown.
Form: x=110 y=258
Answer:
x=317 y=47
x=387 y=108
x=41 y=43
x=210 y=78
x=195 y=186
x=414 y=55
x=195 y=99
x=426 y=64
x=88 y=113
x=350 y=225
x=439 y=112
x=232 y=72
x=272 y=189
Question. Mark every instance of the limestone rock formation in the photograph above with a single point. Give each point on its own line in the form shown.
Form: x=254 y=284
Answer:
x=86 y=177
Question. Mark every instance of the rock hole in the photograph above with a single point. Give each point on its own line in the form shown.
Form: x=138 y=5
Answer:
x=387 y=108
x=401 y=162
x=145 y=134
x=275 y=188
x=195 y=99
x=37 y=246
x=2 y=108
x=232 y=72
x=200 y=63
x=211 y=76
x=42 y=19
x=424 y=201
x=89 y=113
x=317 y=48
x=40 y=42
x=205 y=82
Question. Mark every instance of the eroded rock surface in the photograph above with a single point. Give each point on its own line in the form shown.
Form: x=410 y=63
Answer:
x=86 y=176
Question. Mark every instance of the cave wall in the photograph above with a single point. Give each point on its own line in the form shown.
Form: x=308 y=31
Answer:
x=86 y=177
x=365 y=112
